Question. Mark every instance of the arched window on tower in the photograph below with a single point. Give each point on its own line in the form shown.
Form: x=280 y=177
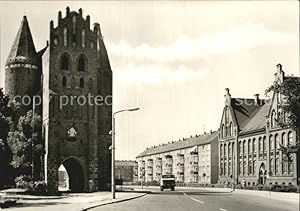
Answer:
x=65 y=31
x=81 y=83
x=82 y=63
x=65 y=62
x=64 y=81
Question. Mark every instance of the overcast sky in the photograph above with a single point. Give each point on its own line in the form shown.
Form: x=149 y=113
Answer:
x=175 y=59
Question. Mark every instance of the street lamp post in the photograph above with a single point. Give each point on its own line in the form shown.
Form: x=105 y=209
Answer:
x=113 y=186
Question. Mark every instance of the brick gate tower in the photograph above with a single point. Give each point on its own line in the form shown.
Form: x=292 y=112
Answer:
x=76 y=66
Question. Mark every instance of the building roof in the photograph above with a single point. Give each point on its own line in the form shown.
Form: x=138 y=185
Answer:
x=23 y=49
x=125 y=163
x=244 y=110
x=181 y=144
x=258 y=121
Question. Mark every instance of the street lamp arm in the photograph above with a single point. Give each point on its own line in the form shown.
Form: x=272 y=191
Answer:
x=132 y=109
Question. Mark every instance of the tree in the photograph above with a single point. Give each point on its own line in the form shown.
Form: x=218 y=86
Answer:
x=289 y=90
x=27 y=146
x=6 y=111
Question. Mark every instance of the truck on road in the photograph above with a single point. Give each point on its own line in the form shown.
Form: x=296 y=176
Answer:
x=167 y=182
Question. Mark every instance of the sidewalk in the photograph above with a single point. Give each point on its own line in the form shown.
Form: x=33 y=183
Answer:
x=71 y=202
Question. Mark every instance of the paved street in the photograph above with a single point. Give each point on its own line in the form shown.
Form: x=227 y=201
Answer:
x=192 y=199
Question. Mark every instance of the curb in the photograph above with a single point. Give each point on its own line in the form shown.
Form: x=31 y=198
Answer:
x=113 y=202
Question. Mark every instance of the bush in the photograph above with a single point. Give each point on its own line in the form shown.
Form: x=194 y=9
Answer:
x=31 y=187
x=152 y=183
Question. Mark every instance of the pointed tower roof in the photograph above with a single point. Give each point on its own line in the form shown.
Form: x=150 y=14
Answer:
x=23 y=50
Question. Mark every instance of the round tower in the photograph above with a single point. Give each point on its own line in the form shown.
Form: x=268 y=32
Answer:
x=22 y=72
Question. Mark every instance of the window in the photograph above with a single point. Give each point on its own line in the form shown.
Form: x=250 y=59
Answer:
x=65 y=62
x=290 y=138
x=81 y=83
x=254 y=167
x=223 y=131
x=74 y=20
x=249 y=147
x=64 y=81
x=82 y=63
x=241 y=167
x=260 y=145
x=271 y=143
x=254 y=146
x=279 y=117
x=240 y=148
x=65 y=31
x=231 y=129
x=272 y=165
x=277 y=142
x=273 y=119
x=284 y=142
x=265 y=144
x=83 y=38
x=221 y=151
x=225 y=151
x=276 y=166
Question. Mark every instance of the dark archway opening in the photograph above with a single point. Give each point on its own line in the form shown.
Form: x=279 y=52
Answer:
x=262 y=174
x=71 y=176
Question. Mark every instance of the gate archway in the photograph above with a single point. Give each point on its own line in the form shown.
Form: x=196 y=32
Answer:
x=74 y=181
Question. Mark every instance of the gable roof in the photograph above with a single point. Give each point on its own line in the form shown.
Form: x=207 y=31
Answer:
x=244 y=109
x=186 y=143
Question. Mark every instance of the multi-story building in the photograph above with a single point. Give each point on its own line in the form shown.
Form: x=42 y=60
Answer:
x=127 y=170
x=191 y=160
x=250 y=137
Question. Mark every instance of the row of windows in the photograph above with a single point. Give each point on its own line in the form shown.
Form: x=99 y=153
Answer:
x=64 y=82
x=227 y=131
x=65 y=62
x=277 y=118
x=65 y=37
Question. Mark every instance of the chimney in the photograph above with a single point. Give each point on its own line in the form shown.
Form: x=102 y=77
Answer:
x=227 y=97
x=80 y=12
x=256 y=99
x=211 y=132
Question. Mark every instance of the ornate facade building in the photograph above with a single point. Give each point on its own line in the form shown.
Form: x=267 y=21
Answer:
x=191 y=160
x=74 y=64
x=250 y=139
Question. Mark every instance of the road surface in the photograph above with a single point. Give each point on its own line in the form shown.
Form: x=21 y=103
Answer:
x=189 y=199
